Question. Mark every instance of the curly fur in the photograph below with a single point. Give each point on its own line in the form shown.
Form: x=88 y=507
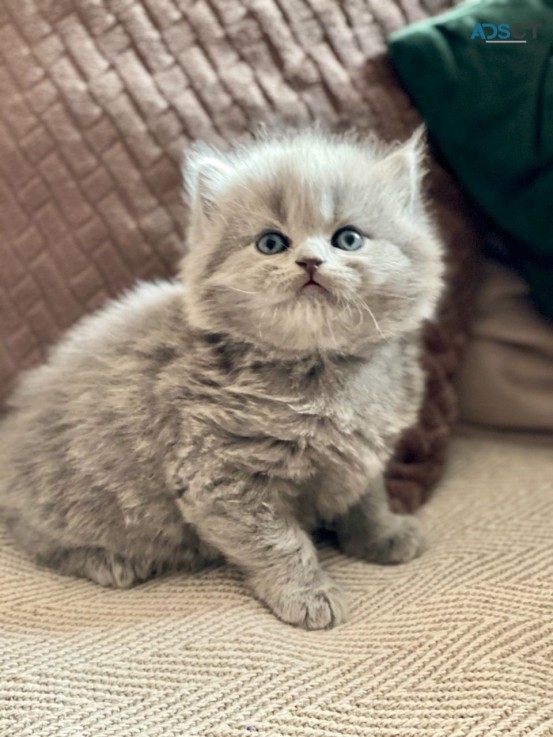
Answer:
x=231 y=416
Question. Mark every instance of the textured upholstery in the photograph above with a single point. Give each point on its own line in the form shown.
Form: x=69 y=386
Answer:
x=458 y=643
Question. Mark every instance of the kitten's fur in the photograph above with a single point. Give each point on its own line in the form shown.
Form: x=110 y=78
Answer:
x=233 y=416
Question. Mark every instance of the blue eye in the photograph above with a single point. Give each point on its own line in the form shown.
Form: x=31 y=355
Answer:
x=348 y=239
x=271 y=243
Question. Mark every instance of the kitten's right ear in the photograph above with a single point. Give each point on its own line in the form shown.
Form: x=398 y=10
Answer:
x=206 y=173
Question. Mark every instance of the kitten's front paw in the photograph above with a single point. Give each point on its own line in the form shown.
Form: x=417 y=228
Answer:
x=318 y=607
x=399 y=541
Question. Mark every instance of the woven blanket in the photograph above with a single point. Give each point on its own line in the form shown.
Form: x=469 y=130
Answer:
x=101 y=97
x=458 y=643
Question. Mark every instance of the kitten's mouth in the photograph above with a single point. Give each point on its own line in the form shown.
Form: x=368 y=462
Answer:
x=311 y=284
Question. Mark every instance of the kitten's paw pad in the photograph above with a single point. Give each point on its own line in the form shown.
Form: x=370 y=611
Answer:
x=320 y=607
x=403 y=541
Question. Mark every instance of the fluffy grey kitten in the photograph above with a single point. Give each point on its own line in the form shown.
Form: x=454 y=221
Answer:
x=233 y=415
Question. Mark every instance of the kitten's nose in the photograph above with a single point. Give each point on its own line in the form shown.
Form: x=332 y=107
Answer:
x=310 y=264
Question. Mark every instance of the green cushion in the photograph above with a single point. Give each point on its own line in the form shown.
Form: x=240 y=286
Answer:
x=489 y=109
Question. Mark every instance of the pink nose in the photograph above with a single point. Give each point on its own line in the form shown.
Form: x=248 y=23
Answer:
x=310 y=264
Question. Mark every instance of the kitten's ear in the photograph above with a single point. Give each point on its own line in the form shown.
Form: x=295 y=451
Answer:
x=403 y=167
x=206 y=173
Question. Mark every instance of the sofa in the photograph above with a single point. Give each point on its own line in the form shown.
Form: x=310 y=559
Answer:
x=100 y=98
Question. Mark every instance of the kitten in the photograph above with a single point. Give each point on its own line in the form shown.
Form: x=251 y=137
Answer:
x=231 y=416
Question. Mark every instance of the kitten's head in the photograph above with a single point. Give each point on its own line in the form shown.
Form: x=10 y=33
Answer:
x=308 y=241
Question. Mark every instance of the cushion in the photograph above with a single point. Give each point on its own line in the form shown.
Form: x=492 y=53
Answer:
x=506 y=378
x=489 y=108
x=99 y=99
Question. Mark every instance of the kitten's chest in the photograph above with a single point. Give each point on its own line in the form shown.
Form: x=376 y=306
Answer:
x=325 y=435
x=292 y=436
x=305 y=424
x=339 y=457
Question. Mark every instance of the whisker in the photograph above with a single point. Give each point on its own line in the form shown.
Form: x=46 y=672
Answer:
x=377 y=326
x=243 y=291
x=330 y=330
x=262 y=315
x=360 y=313
x=373 y=318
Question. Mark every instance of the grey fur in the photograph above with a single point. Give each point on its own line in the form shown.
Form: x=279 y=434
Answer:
x=231 y=417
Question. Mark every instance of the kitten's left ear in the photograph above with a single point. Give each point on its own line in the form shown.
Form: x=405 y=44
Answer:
x=405 y=168
x=206 y=173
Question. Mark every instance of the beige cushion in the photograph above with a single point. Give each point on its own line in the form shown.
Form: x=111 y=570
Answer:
x=506 y=380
